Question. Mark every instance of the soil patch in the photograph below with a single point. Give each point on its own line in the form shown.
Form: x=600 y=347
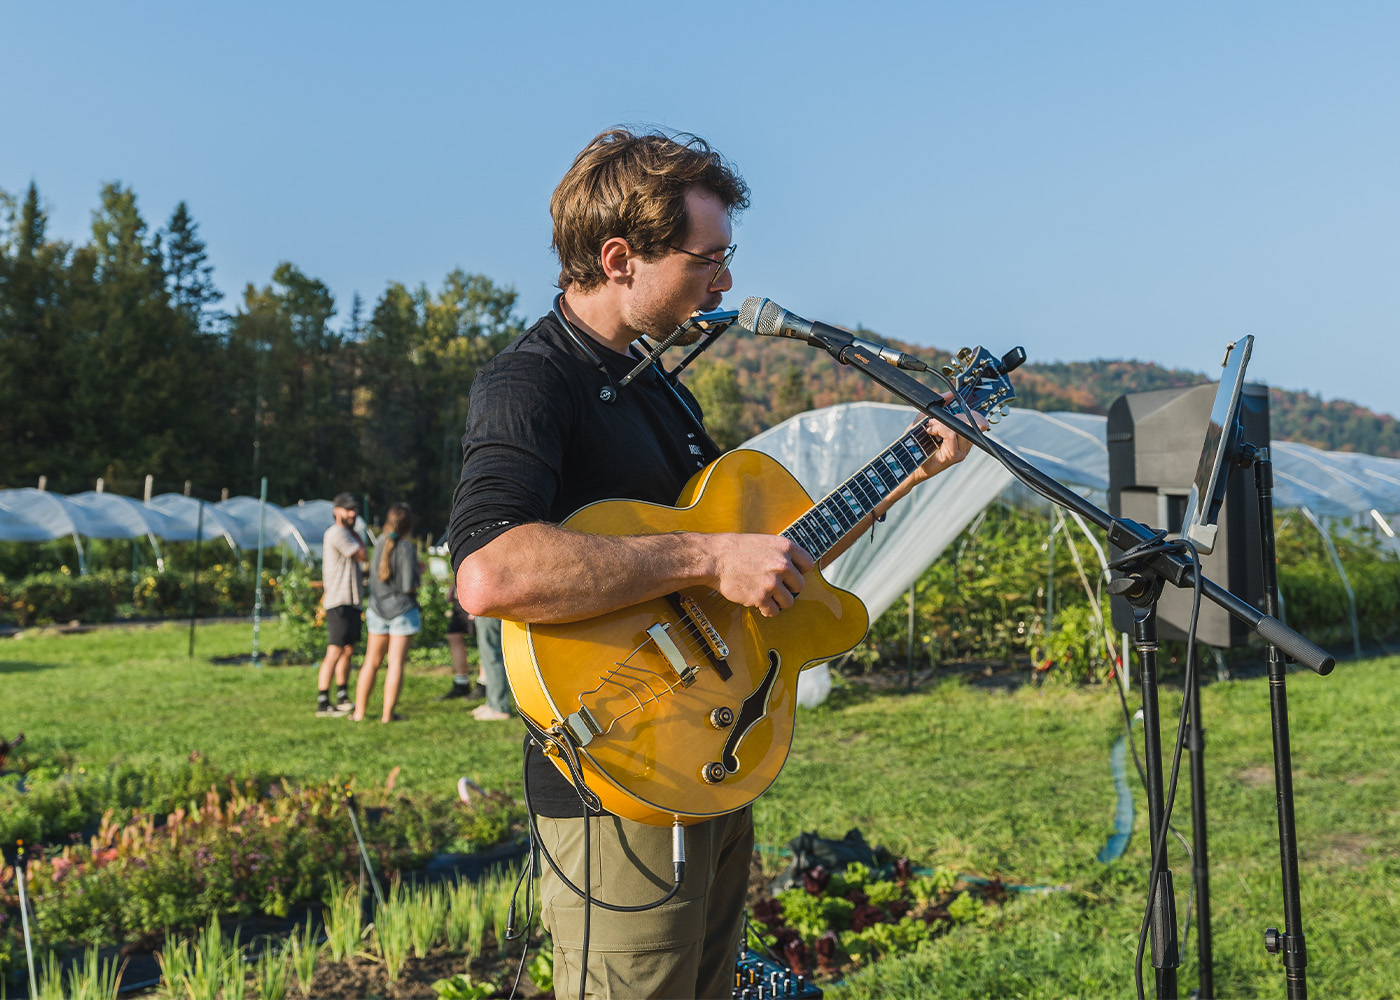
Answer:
x=1254 y=777
x=367 y=978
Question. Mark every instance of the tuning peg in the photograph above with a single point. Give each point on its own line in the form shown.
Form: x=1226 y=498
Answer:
x=993 y=417
x=949 y=371
x=965 y=355
x=1005 y=409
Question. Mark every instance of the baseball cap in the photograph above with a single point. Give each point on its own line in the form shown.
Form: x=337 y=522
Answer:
x=347 y=501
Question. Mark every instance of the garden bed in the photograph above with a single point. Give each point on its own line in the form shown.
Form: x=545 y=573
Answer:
x=124 y=857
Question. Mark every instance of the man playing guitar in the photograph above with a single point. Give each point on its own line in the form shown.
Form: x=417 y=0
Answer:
x=643 y=232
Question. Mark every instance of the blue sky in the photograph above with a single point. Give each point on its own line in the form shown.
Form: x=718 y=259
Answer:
x=1086 y=179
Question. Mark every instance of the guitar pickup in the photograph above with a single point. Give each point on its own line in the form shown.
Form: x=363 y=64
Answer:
x=661 y=635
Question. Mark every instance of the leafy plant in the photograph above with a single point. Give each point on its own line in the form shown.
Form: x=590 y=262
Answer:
x=341 y=917
x=461 y=914
x=303 y=951
x=1074 y=649
x=89 y=979
x=541 y=967
x=175 y=963
x=50 y=985
x=461 y=987
x=857 y=915
x=393 y=934
x=272 y=971
x=303 y=618
x=426 y=912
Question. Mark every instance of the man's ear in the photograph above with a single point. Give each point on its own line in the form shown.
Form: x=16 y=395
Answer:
x=616 y=257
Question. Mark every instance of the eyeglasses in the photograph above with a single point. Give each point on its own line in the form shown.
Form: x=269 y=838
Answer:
x=721 y=265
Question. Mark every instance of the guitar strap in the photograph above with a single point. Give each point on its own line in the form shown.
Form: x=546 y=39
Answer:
x=609 y=392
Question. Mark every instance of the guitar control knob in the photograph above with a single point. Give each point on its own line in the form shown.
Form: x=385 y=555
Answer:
x=722 y=717
x=712 y=773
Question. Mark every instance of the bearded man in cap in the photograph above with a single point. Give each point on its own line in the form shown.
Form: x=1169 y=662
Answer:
x=342 y=575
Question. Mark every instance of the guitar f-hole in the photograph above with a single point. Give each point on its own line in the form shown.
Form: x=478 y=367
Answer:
x=754 y=708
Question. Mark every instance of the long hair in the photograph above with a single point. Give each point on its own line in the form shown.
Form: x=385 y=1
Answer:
x=397 y=524
x=633 y=186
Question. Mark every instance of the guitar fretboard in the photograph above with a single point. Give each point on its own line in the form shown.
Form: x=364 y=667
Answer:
x=831 y=519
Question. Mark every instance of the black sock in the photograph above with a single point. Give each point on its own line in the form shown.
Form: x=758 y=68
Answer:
x=323 y=697
x=341 y=693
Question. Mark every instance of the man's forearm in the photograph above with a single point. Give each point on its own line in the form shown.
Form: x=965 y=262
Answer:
x=544 y=573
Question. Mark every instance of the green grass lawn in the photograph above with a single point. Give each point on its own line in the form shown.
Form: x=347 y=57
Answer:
x=1015 y=785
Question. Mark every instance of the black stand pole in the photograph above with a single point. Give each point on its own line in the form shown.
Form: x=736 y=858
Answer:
x=1290 y=942
x=1165 y=955
x=1159 y=565
x=1200 y=860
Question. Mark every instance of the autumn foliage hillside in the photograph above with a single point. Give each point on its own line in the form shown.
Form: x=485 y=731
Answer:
x=748 y=385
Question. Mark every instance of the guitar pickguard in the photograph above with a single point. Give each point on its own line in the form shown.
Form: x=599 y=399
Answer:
x=755 y=707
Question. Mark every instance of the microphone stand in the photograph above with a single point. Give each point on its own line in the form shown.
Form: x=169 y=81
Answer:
x=1142 y=585
x=1290 y=942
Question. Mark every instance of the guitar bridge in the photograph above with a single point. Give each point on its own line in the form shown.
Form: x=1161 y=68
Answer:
x=693 y=616
x=661 y=635
x=708 y=632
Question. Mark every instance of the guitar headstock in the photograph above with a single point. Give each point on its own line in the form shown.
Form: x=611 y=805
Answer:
x=982 y=381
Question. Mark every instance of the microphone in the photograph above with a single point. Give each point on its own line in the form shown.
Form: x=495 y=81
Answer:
x=768 y=319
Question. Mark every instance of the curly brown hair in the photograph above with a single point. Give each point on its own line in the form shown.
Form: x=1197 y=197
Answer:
x=633 y=186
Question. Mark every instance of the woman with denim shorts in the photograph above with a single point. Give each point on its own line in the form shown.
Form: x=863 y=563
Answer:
x=392 y=616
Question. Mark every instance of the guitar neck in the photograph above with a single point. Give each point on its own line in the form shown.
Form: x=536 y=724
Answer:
x=838 y=513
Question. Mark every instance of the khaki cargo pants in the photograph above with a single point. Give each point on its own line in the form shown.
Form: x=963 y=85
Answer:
x=685 y=948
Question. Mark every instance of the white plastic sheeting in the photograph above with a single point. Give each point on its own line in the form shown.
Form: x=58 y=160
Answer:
x=29 y=515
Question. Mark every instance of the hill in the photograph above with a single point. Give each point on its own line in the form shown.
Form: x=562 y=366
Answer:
x=748 y=385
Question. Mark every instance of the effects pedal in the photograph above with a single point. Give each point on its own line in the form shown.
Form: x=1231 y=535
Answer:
x=757 y=977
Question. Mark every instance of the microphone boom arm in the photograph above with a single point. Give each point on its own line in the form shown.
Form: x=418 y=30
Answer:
x=1123 y=533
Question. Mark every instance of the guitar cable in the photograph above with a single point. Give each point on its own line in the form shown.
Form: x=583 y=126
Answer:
x=567 y=752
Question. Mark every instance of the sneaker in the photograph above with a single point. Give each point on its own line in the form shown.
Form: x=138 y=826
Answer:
x=326 y=711
x=460 y=691
x=485 y=713
x=344 y=707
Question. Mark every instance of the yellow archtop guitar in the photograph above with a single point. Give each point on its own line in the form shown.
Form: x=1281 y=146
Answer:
x=682 y=708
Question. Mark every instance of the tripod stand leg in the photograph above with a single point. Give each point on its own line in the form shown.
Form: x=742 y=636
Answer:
x=1200 y=866
x=1290 y=943
x=1162 y=911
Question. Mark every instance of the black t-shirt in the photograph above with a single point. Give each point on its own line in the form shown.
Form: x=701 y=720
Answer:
x=541 y=443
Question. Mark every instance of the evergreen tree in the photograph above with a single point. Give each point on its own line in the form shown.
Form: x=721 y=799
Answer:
x=39 y=352
x=295 y=385
x=140 y=388
x=188 y=274
x=420 y=354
